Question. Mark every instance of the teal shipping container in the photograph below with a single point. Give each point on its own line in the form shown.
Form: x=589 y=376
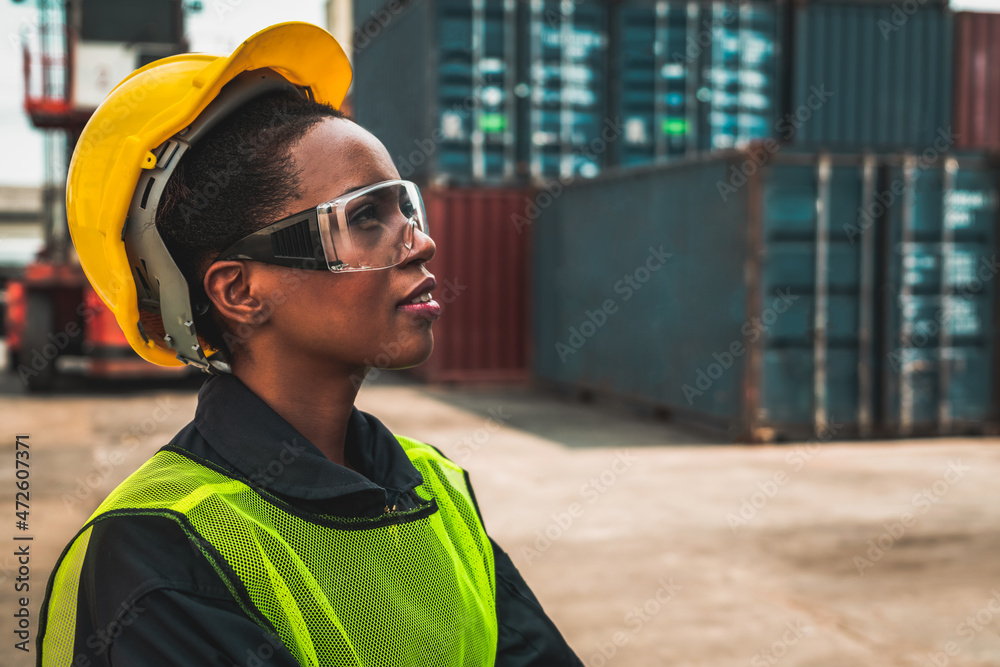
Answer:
x=567 y=84
x=777 y=294
x=872 y=75
x=487 y=91
x=435 y=83
x=695 y=76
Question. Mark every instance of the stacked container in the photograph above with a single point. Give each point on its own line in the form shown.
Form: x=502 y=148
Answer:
x=549 y=89
x=521 y=90
x=977 y=80
x=567 y=57
x=849 y=196
x=822 y=294
x=869 y=76
x=654 y=93
x=476 y=100
x=488 y=91
x=694 y=76
x=439 y=89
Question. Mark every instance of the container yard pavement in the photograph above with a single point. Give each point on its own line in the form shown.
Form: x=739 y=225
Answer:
x=646 y=544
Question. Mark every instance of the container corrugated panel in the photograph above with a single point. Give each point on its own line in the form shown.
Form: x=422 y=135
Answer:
x=863 y=77
x=977 y=80
x=780 y=310
x=375 y=12
x=481 y=267
x=613 y=315
x=450 y=111
x=568 y=78
x=394 y=92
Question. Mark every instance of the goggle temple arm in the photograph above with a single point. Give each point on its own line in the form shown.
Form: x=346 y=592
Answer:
x=293 y=242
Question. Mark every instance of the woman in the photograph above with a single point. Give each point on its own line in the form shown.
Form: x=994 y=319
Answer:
x=234 y=219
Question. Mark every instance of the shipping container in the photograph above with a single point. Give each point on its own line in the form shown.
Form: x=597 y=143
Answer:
x=501 y=90
x=375 y=12
x=694 y=76
x=507 y=90
x=778 y=296
x=481 y=266
x=977 y=80
x=869 y=75
x=939 y=360
x=435 y=85
x=568 y=83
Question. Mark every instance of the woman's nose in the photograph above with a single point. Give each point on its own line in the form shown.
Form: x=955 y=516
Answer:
x=423 y=247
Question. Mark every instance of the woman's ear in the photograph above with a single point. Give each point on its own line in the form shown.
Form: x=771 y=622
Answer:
x=234 y=287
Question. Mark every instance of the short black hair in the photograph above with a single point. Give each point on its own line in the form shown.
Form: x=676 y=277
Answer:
x=237 y=179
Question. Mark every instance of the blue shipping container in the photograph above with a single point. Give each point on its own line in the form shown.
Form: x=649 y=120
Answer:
x=695 y=76
x=447 y=109
x=797 y=299
x=567 y=112
x=942 y=268
x=865 y=77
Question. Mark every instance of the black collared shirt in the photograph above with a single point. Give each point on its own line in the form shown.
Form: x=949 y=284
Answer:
x=148 y=596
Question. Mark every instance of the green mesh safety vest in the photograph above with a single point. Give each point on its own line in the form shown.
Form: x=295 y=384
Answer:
x=407 y=589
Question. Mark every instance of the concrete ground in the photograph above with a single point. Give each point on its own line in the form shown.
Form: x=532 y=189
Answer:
x=647 y=545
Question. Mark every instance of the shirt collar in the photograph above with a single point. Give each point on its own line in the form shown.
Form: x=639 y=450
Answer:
x=262 y=446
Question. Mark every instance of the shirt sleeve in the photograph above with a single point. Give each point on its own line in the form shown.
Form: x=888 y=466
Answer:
x=172 y=629
x=148 y=596
x=527 y=636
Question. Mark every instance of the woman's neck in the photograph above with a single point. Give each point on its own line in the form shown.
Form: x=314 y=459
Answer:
x=317 y=404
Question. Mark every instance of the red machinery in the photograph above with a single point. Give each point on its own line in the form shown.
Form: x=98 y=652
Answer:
x=75 y=54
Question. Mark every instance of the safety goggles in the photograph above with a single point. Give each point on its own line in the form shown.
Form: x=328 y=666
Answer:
x=368 y=229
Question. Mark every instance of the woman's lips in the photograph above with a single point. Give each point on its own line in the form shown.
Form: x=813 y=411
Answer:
x=428 y=310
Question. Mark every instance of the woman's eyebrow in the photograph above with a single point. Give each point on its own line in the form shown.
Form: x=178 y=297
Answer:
x=361 y=186
x=352 y=189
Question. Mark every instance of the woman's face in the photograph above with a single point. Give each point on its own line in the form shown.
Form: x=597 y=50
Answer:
x=324 y=320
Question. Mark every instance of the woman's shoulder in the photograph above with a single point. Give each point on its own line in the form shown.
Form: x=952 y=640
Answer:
x=125 y=559
x=414 y=447
x=165 y=478
x=147 y=551
x=131 y=565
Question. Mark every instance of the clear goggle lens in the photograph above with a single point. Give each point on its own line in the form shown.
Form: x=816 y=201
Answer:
x=372 y=228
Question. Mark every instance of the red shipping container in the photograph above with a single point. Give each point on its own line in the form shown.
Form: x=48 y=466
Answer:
x=977 y=80
x=482 y=269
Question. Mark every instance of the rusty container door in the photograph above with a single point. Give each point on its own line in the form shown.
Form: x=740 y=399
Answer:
x=481 y=266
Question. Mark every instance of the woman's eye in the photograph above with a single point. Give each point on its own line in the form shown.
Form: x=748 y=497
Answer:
x=364 y=217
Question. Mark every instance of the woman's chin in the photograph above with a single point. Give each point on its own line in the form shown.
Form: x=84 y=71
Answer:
x=415 y=361
x=395 y=356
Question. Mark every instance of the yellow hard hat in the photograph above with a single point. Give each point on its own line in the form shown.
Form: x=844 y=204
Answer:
x=131 y=145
